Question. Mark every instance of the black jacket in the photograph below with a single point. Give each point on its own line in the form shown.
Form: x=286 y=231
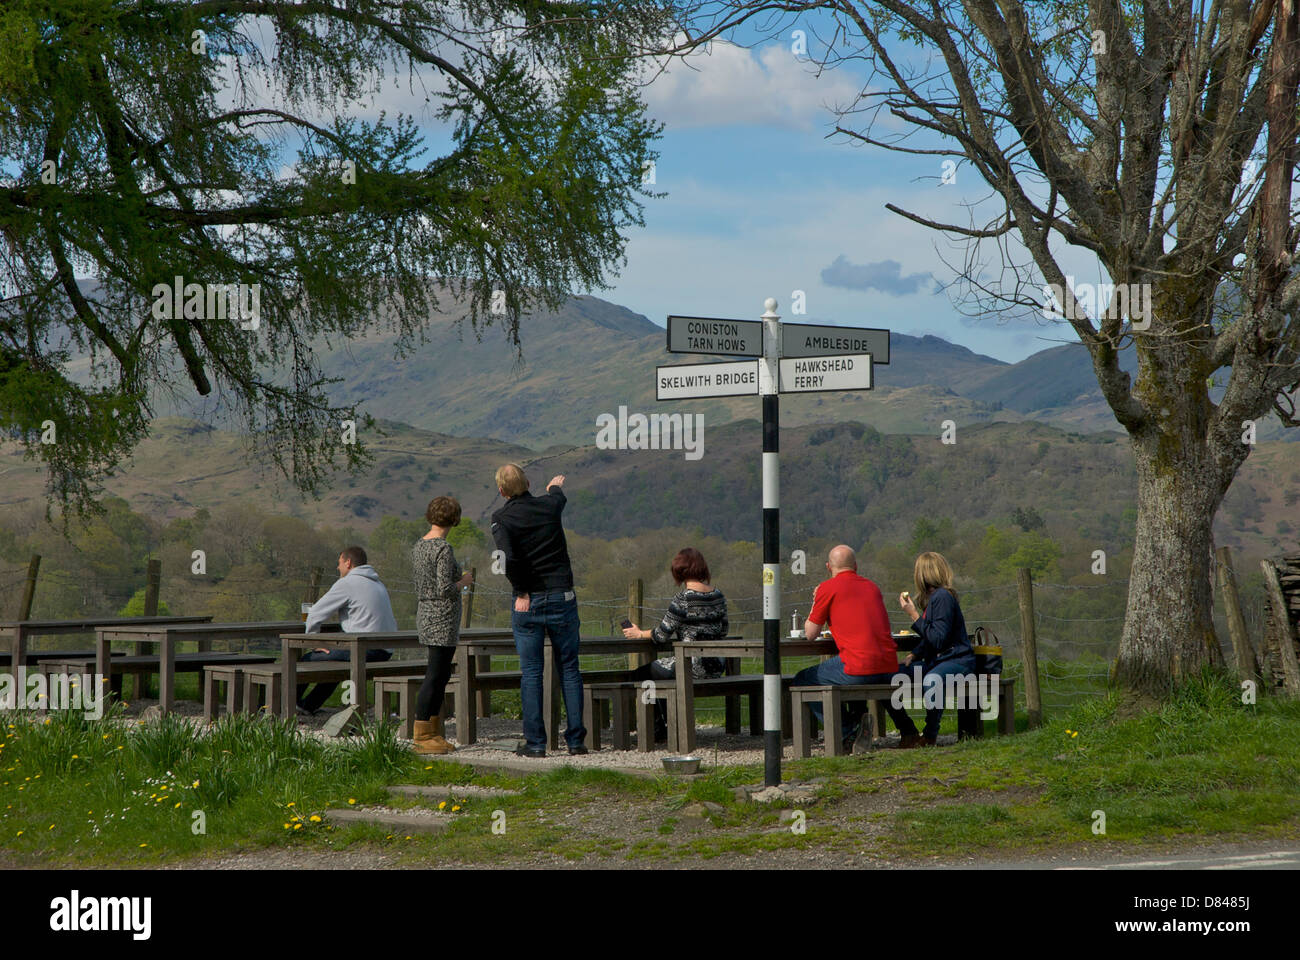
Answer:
x=528 y=531
x=942 y=630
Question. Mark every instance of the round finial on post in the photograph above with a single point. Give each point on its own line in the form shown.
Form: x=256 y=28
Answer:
x=769 y=309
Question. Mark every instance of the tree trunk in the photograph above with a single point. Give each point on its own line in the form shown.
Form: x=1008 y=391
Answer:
x=1169 y=628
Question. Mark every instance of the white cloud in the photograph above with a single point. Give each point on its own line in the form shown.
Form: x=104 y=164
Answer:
x=729 y=85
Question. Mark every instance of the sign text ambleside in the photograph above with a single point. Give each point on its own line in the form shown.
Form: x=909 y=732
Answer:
x=817 y=340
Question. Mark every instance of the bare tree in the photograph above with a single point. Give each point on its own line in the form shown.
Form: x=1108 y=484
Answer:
x=1133 y=132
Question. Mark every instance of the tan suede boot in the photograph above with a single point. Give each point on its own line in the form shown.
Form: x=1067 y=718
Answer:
x=429 y=739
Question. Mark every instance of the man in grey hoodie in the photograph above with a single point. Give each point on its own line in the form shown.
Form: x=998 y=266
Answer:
x=360 y=599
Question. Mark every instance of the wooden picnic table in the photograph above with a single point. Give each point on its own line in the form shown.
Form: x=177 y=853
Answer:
x=166 y=635
x=357 y=645
x=501 y=643
x=19 y=630
x=684 y=689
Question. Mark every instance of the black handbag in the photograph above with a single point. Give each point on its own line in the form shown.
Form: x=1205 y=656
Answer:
x=988 y=651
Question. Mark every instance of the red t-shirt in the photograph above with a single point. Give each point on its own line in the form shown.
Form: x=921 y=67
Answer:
x=854 y=610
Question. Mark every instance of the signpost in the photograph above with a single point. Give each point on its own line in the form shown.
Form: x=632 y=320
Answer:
x=688 y=380
x=727 y=338
x=792 y=358
x=819 y=340
x=819 y=374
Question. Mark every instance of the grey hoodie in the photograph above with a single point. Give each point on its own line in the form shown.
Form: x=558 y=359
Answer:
x=361 y=601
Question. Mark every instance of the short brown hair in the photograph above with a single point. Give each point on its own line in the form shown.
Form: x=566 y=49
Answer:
x=443 y=512
x=511 y=480
x=689 y=565
x=355 y=555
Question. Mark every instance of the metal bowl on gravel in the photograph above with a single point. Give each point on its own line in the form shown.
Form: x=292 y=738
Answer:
x=682 y=765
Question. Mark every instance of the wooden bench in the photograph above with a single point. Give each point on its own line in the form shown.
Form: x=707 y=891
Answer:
x=262 y=682
x=619 y=705
x=407 y=690
x=144 y=664
x=626 y=703
x=875 y=695
x=33 y=658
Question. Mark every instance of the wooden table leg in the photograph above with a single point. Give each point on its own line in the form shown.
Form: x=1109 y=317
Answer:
x=799 y=726
x=467 y=700
x=684 y=689
x=17 y=660
x=103 y=664
x=834 y=729
x=483 y=664
x=288 y=683
x=357 y=669
x=551 y=696
x=166 y=673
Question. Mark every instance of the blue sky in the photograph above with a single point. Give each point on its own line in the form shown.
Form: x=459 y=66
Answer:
x=760 y=203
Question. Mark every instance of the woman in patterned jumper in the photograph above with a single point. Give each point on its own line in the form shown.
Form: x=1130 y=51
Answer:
x=697 y=612
x=438 y=581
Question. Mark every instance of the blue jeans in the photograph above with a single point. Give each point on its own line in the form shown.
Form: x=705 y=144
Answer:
x=934 y=673
x=832 y=672
x=549 y=614
x=321 y=692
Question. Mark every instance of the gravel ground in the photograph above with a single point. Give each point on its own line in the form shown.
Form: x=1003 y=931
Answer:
x=713 y=744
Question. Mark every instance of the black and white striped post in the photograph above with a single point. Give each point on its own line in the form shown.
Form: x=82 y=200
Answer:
x=769 y=390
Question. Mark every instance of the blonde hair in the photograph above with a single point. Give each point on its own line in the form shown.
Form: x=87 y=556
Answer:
x=511 y=480
x=930 y=573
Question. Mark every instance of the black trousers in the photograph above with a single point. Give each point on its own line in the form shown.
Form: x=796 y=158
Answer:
x=321 y=692
x=429 y=703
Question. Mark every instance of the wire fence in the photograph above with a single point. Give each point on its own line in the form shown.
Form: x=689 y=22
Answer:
x=1077 y=625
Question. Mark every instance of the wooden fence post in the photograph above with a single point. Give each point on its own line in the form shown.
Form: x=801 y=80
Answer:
x=313 y=590
x=1243 y=650
x=635 y=613
x=1281 y=641
x=152 y=580
x=29 y=590
x=1029 y=648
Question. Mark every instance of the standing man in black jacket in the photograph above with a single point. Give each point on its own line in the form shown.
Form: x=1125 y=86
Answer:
x=528 y=531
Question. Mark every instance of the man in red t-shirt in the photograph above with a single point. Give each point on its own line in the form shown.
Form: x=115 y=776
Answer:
x=852 y=607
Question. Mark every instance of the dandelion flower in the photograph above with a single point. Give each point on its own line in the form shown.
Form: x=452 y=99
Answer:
x=178 y=803
x=351 y=800
x=143 y=845
x=297 y=826
x=20 y=833
x=442 y=805
x=194 y=784
x=75 y=757
x=286 y=826
x=314 y=818
x=290 y=804
x=455 y=808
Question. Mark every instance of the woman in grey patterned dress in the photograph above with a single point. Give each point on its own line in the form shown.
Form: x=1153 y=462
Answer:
x=438 y=581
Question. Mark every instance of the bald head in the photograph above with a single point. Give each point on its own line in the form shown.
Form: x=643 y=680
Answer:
x=842 y=558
